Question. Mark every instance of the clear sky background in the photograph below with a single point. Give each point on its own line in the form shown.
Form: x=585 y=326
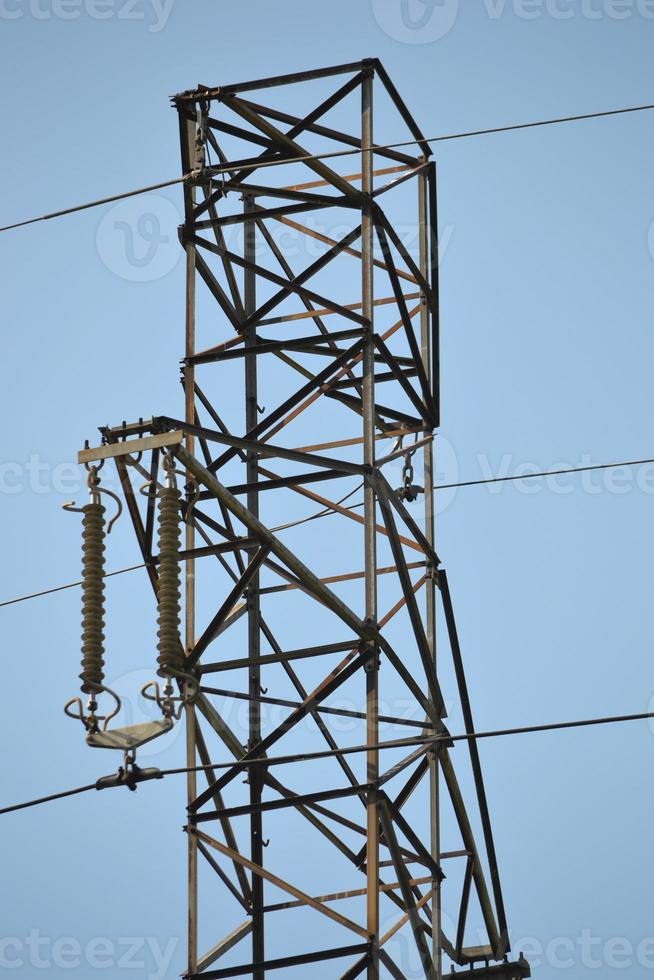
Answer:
x=547 y=351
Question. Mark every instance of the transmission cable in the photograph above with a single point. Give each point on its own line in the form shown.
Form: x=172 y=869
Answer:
x=327 y=511
x=307 y=158
x=354 y=749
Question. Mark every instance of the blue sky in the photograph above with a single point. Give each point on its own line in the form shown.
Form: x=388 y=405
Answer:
x=547 y=349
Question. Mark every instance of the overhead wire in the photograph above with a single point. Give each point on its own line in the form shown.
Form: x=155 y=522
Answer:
x=67 y=585
x=326 y=511
x=397 y=743
x=307 y=158
x=97 y=203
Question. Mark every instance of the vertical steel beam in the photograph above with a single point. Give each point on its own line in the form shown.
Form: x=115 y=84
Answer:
x=431 y=214
x=370 y=533
x=428 y=337
x=407 y=892
x=189 y=147
x=252 y=594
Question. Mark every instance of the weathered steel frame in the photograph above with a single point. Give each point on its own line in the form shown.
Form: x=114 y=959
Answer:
x=413 y=376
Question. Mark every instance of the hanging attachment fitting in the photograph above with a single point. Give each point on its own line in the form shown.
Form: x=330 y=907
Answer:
x=409 y=490
x=129 y=774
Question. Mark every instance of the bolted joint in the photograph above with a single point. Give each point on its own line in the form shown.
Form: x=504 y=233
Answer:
x=444 y=740
x=369 y=650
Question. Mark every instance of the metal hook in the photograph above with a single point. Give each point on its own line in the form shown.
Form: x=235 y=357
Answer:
x=146 y=490
x=145 y=487
x=93 y=483
x=91 y=720
x=70 y=506
x=113 y=520
x=193 y=499
x=166 y=702
x=92 y=467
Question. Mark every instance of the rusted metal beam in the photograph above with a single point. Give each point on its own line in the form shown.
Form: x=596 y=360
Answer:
x=145 y=444
x=282 y=963
x=407 y=892
x=278 y=882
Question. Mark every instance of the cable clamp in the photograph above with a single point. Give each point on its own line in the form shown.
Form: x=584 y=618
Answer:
x=129 y=774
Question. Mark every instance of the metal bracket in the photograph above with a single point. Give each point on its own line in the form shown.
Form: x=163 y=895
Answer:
x=111 y=450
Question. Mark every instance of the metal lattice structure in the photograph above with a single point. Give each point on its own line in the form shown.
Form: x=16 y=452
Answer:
x=363 y=370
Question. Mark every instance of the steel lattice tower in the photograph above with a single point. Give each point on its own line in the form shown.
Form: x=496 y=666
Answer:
x=364 y=368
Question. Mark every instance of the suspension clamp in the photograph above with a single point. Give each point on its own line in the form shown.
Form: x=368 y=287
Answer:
x=130 y=774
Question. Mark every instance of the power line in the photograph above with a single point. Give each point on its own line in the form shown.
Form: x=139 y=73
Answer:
x=218 y=170
x=132 y=568
x=324 y=512
x=327 y=511
x=47 y=799
x=68 y=585
x=357 y=749
x=529 y=476
x=95 y=204
x=409 y=742
x=541 y=473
